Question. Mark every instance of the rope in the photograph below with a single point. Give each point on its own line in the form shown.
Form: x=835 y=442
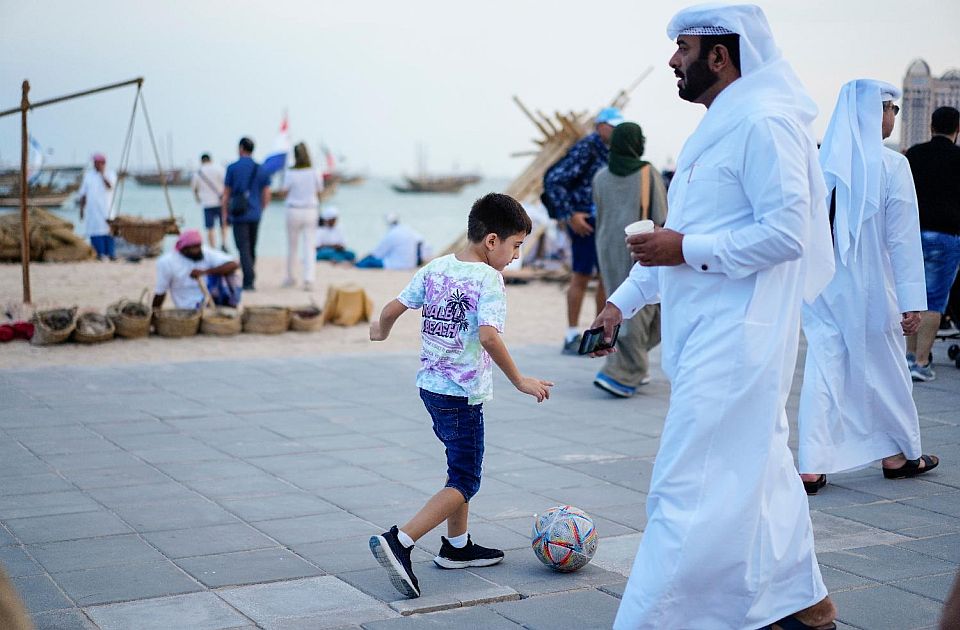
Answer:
x=117 y=201
x=156 y=155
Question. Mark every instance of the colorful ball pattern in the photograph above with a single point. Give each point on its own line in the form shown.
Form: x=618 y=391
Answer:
x=564 y=538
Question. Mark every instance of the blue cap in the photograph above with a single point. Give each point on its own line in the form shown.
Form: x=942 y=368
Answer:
x=610 y=116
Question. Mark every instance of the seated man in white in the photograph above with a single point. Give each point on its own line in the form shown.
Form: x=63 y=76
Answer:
x=400 y=248
x=179 y=273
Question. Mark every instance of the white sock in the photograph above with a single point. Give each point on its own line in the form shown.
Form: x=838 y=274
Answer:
x=459 y=541
x=404 y=539
x=572 y=333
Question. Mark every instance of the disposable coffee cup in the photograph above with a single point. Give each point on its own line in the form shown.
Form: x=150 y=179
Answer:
x=639 y=227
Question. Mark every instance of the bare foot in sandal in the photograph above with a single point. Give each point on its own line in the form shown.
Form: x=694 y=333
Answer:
x=820 y=616
x=899 y=467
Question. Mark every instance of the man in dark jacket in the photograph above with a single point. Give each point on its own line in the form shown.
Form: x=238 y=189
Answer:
x=936 y=174
x=246 y=193
x=568 y=186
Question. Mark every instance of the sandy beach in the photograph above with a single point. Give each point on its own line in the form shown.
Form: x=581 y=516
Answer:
x=536 y=315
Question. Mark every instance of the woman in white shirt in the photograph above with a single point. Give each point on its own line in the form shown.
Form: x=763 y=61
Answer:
x=303 y=184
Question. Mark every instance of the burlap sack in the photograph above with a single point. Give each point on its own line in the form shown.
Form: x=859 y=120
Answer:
x=346 y=305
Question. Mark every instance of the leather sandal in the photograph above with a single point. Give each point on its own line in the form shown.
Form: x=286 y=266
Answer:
x=792 y=623
x=912 y=467
x=812 y=487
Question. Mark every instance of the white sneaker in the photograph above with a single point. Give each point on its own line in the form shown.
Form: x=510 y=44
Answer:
x=923 y=373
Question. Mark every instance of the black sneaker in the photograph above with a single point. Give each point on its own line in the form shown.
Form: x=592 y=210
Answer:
x=395 y=558
x=470 y=555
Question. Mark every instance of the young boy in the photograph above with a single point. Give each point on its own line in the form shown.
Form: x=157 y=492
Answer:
x=463 y=307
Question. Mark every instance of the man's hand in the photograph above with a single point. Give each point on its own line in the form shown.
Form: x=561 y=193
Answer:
x=196 y=273
x=579 y=224
x=376 y=332
x=535 y=387
x=910 y=323
x=609 y=317
x=660 y=248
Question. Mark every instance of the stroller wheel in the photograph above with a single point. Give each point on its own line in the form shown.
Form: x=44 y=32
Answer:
x=953 y=351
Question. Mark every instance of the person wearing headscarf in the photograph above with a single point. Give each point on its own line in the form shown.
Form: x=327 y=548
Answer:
x=627 y=190
x=856 y=405
x=729 y=541
x=95 y=198
x=180 y=271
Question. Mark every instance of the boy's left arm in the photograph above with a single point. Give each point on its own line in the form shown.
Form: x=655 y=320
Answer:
x=380 y=328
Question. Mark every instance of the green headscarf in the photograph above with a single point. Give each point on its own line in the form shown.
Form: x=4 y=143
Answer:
x=626 y=147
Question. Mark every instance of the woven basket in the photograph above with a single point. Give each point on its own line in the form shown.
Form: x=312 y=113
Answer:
x=267 y=320
x=176 y=322
x=306 y=318
x=47 y=328
x=93 y=328
x=221 y=320
x=132 y=319
x=140 y=231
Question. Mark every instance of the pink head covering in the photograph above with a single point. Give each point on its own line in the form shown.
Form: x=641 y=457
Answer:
x=189 y=238
x=99 y=157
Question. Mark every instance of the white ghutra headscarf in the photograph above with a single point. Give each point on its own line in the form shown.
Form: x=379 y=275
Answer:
x=767 y=86
x=852 y=158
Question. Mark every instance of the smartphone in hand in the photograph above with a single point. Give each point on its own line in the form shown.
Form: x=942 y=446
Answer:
x=592 y=340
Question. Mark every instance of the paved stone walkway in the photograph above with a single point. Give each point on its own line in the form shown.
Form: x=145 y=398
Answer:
x=206 y=496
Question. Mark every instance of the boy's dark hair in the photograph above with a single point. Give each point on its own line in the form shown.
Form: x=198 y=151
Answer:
x=246 y=144
x=945 y=120
x=730 y=42
x=498 y=214
x=204 y=157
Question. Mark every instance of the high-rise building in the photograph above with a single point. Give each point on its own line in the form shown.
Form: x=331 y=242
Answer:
x=923 y=93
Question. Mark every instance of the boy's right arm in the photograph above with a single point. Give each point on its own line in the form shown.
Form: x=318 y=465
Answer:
x=380 y=328
x=493 y=344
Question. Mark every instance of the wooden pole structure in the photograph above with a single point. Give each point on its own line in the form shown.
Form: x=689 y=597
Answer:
x=24 y=217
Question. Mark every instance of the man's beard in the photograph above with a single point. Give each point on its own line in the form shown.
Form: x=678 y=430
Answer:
x=194 y=257
x=697 y=80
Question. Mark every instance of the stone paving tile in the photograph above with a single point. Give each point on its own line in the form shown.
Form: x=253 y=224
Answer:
x=75 y=555
x=69 y=619
x=596 y=497
x=207 y=470
x=317 y=528
x=899 y=518
x=579 y=609
x=39 y=593
x=66 y=527
x=837 y=580
x=200 y=541
x=948 y=503
x=247 y=567
x=196 y=611
x=319 y=602
x=30 y=484
x=66 y=463
x=132 y=475
x=524 y=573
x=166 y=490
x=46 y=504
x=473 y=617
x=16 y=563
x=943 y=547
x=833 y=533
x=162 y=515
x=617 y=553
x=932 y=586
x=6 y=538
x=257 y=485
x=130 y=581
x=277 y=506
x=349 y=554
x=440 y=589
x=884 y=563
x=886 y=608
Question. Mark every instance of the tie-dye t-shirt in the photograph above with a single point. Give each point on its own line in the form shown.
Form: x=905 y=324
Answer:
x=455 y=299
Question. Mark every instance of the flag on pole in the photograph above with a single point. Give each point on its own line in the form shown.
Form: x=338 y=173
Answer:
x=276 y=160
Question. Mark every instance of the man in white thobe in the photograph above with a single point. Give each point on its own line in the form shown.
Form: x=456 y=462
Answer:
x=729 y=542
x=95 y=197
x=856 y=405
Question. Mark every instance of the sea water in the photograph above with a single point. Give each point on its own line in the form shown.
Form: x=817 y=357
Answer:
x=440 y=217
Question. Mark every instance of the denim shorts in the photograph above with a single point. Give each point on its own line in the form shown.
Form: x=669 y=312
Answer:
x=941 y=258
x=211 y=216
x=459 y=426
x=584 y=250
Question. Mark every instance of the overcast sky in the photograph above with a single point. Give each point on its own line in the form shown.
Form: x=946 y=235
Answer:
x=373 y=79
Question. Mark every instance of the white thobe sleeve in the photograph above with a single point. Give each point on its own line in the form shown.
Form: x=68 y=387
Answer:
x=775 y=181
x=902 y=227
x=641 y=287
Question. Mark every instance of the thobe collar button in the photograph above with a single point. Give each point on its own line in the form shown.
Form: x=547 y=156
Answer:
x=704 y=267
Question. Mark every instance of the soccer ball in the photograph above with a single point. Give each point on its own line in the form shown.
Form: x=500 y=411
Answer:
x=564 y=538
